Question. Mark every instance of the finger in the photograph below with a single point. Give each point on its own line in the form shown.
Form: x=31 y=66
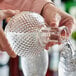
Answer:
x=10 y=13
x=50 y=44
x=2 y=15
x=55 y=39
x=17 y=11
x=54 y=30
x=6 y=47
x=13 y=11
x=67 y=21
x=5 y=44
x=11 y=52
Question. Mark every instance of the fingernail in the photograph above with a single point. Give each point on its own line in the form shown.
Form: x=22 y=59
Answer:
x=13 y=55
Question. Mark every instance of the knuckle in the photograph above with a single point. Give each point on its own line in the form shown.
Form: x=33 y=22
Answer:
x=71 y=19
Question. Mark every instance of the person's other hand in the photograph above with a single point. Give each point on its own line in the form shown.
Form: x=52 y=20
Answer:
x=7 y=13
x=4 y=45
x=56 y=18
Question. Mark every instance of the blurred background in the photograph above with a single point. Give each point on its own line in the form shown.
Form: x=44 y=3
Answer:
x=12 y=67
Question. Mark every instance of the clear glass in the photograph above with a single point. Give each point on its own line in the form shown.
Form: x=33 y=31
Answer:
x=28 y=31
x=48 y=34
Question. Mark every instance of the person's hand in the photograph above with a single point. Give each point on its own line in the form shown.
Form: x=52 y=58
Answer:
x=4 y=45
x=8 y=13
x=56 y=18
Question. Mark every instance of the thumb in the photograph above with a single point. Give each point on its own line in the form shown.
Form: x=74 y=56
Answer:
x=55 y=20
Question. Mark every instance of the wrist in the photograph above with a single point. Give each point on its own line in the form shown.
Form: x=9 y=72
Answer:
x=47 y=5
